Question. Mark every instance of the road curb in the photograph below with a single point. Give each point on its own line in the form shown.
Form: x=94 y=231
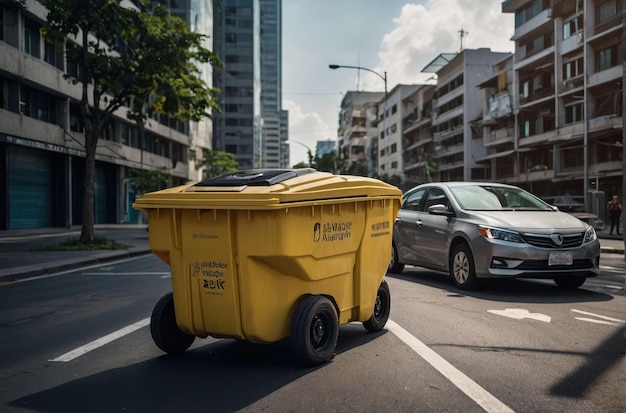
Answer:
x=37 y=270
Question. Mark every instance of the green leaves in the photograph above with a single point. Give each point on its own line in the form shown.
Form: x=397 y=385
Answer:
x=216 y=163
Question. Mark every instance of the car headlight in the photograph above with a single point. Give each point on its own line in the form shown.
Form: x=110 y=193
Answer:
x=590 y=234
x=500 y=234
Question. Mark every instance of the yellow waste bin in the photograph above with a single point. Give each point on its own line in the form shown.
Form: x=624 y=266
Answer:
x=262 y=255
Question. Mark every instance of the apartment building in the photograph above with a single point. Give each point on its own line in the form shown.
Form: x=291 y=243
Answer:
x=457 y=112
x=417 y=139
x=567 y=84
x=502 y=157
x=42 y=136
x=358 y=129
x=392 y=110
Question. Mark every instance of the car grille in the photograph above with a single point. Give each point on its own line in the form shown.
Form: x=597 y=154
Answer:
x=545 y=241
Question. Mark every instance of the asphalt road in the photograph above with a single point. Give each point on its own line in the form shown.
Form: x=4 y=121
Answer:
x=79 y=342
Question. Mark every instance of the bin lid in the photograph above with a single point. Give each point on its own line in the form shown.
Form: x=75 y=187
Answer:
x=269 y=189
x=254 y=177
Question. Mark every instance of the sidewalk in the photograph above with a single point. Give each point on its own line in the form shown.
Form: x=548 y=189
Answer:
x=21 y=254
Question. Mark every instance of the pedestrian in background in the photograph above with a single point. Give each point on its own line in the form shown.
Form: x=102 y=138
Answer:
x=615 y=212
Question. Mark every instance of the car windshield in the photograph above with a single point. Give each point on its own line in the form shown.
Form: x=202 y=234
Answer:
x=496 y=198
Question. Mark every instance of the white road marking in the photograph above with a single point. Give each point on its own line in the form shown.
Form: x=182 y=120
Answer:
x=74 y=270
x=69 y=356
x=520 y=313
x=481 y=396
x=608 y=320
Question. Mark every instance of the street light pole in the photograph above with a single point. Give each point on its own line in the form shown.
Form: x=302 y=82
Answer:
x=310 y=153
x=383 y=76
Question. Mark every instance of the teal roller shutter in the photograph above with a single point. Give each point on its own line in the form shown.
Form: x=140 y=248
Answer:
x=30 y=188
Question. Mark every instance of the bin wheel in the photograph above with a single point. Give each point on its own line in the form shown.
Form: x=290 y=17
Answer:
x=165 y=332
x=382 y=307
x=314 y=330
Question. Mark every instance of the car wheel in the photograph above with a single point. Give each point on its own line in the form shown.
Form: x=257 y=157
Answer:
x=462 y=268
x=570 y=283
x=314 y=330
x=395 y=267
x=164 y=330
x=382 y=307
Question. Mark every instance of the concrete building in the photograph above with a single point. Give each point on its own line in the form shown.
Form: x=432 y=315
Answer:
x=42 y=136
x=457 y=108
x=417 y=139
x=392 y=111
x=358 y=129
x=567 y=82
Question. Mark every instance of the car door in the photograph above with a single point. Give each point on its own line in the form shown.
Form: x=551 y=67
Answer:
x=407 y=227
x=434 y=232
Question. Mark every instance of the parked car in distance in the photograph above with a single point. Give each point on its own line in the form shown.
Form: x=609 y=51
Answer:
x=477 y=230
x=575 y=205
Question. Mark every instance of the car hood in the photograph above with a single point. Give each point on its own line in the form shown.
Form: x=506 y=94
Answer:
x=525 y=221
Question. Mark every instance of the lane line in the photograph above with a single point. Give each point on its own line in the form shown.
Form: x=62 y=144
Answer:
x=599 y=316
x=593 y=320
x=468 y=386
x=71 y=355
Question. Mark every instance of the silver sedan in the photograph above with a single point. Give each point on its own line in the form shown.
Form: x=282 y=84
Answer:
x=488 y=230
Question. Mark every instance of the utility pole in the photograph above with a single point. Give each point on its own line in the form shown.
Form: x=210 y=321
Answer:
x=462 y=34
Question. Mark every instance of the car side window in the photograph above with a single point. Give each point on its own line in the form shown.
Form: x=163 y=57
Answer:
x=436 y=197
x=413 y=200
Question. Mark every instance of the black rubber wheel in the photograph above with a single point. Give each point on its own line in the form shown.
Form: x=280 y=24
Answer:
x=570 y=283
x=165 y=332
x=462 y=270
x=314 y=330
x=382 y=308
x=395 y=267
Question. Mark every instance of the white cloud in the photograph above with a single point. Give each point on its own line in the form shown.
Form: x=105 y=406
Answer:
x=305 y=129
x=422 y=32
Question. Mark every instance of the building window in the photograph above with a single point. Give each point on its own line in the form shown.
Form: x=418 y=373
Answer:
x=574 y=113
x=606 y=58
x=605 y=11
x=573 y=68
x=31 y=38
x=37 y=104
x=50 y=54
x=394 y=109
x=1 y=24
x=572 y=27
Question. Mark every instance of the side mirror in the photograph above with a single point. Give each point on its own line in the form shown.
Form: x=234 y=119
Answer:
x=440 y=209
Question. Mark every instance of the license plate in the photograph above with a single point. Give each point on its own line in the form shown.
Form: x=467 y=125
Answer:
x=560 y=258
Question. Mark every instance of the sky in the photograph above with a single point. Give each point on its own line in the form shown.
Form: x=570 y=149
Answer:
x=397 y=37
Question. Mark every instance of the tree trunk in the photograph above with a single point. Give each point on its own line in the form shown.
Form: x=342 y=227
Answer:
x=92 y=132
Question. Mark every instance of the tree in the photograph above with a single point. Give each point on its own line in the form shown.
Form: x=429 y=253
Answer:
x=217 y=163
x=174 y=85
x=145 y=181
x=105 y=42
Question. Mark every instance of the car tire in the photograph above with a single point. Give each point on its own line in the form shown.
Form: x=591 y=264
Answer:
x=382 y=308
x=314 y=331
x=165 y=332
x=395 y=266
x=570 y=283
x=462 y=270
